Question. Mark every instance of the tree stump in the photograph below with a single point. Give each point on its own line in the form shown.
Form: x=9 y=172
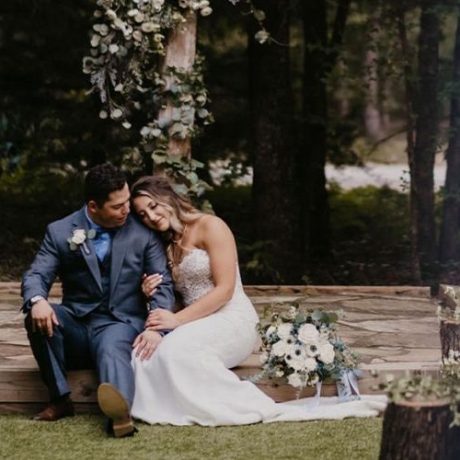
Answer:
x=419 y=431
x=450 y=337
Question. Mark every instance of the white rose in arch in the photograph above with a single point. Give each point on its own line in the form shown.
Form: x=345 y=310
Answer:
x=308 y=333
x=326 y=353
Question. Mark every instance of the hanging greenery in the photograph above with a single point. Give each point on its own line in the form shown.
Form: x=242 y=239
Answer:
x=127 y=46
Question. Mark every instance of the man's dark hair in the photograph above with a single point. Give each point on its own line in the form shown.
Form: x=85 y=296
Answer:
x=101 y=181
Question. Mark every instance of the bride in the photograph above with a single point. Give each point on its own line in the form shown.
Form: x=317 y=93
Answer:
x=183 y=378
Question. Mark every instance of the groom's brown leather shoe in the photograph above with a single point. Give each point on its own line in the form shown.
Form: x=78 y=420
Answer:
x=55 y=411
x=115 y=407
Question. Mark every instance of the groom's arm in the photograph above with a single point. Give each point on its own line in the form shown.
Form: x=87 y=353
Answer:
x=156 y=262
x=40 y=276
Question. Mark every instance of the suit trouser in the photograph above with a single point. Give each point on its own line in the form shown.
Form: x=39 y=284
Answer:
x=98 y=341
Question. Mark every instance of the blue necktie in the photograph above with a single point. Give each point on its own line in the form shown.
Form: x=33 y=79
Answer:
x=102 y=243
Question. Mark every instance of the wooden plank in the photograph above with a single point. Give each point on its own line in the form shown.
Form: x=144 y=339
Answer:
x=35 y=407
x=410 y=291
x=24 y=385
x=14 y=288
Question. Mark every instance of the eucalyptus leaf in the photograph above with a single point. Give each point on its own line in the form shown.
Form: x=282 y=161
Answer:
x=317 y=315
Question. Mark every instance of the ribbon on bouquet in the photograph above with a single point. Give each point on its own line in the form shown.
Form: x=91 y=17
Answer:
x=347 y=386
x=314 y=402
x=347 y=389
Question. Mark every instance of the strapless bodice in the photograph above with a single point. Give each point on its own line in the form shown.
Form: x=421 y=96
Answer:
x=194 y=280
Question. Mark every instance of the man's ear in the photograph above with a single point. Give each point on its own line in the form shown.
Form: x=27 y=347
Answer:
x=92 y=206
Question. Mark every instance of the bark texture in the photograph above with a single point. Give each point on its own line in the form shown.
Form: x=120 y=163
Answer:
x=320 y=56
x=450 y=337
x=419 y=432
x=180 y=53
x=426 y=128
x=276 y=210
x=449 y=245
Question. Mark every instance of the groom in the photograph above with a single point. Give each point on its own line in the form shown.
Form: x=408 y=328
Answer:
x=99 y=254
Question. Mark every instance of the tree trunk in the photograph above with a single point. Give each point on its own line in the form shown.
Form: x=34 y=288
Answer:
x=314 y=145
x=410 y=134
x=450 y=337
x=180 y=53
x=274 y=199
x=372 y=115
x=419 y=431
x=426 y=111
x=449 y=246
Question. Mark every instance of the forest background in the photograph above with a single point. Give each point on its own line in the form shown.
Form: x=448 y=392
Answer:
x=338 y=82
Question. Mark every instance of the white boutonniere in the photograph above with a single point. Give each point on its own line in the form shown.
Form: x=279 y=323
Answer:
x=79 y=237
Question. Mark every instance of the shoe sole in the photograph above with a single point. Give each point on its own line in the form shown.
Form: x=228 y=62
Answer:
x=115 y=407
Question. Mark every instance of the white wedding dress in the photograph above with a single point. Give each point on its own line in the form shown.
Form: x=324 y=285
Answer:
x=187 y=380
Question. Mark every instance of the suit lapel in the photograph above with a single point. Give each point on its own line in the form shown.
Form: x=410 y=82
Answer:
x=119 y=248
x=90 y=255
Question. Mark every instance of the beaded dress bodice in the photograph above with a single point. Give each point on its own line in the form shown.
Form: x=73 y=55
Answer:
x=194 y=279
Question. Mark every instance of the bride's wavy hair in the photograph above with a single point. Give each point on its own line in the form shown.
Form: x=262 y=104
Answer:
x=161 y=189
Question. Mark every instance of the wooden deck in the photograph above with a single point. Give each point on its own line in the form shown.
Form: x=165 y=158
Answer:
x=394 y=329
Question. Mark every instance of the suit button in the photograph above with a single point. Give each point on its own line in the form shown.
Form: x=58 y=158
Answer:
x=111 y=308
x=128 y=321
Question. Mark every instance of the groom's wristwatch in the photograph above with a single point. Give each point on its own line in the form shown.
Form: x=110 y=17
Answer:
x=35 y=299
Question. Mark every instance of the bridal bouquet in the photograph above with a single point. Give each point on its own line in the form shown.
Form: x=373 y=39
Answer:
x=301 y=347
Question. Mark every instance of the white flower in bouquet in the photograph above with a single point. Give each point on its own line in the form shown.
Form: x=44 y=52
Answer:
x=281 y=348
x=326 y=353
x=284 y=330
x=310 y=364
x=296 y=380
x=300 y=346
x=291 y=313
x=296 y=357
x=312 y=349
x=308 y=333
x=270 y=331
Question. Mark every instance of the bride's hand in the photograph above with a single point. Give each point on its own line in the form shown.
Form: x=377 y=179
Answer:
x=150 y=283
x=146 y=343
x=160 y=319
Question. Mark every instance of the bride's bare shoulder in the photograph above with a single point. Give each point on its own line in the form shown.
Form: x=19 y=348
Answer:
x=209 y=225
x=209 y=222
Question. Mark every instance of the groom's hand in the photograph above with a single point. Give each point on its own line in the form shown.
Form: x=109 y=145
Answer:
x=146 y=343
x=43 y=317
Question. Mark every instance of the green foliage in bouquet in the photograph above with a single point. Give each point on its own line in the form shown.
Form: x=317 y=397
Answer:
x=301 y=347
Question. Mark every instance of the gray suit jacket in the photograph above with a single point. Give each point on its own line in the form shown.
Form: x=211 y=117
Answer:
x=135 y=250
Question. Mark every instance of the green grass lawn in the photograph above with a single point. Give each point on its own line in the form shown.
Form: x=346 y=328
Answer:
x=83 y=437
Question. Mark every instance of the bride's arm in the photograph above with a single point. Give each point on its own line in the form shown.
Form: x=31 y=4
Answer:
x=218 y=240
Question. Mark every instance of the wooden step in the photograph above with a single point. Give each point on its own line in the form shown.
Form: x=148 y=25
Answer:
x=21 y=389
x=393 y=328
